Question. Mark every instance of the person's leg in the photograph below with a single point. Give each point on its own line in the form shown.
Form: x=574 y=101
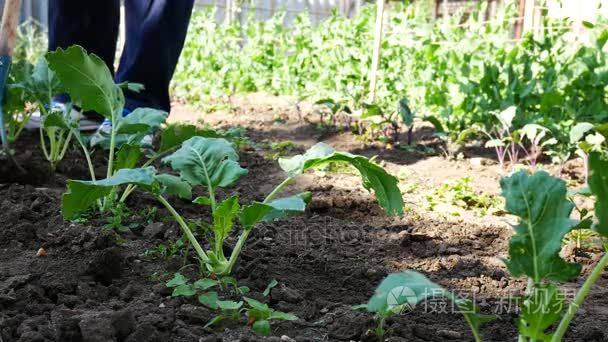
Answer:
x=155 y=34
x=92 y=24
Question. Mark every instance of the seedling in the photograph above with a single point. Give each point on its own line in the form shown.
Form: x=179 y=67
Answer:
x=213 y=163
x=401 y=292
x=504 y=141
x=538 y=140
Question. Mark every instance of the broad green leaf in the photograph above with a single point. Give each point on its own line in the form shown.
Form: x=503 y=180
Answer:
x=282 y=316
x=598 y=183
x=409 y=288
x=175 y=134
x=81 y=195
x=207 y=161
x=288 y=206
x=87 y=79
x=229 y=305
x=57 y=119
x=463 y=137
x=506 y=116
x=405 y=112
x=252 y=214
x=209 y=299
x=255 y=304
x=261 y=327
x=436 y=123
x=494 y=143
x=540 y=202
x=205 y=283
x=270 y=286
x=141 y=120
x=134 y=87
x=223 y=217
x=578 y=131
x=43 y=84
x=371 y=110
x=202 y=200
x=373 y=176
x=127 y=157
x=184 y=290
x=174 y=185
x=539 y=311
x=177 y=280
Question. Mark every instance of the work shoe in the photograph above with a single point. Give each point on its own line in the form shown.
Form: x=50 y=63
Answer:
x=87 y=123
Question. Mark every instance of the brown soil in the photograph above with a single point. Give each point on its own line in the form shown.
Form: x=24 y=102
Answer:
x=97 y=285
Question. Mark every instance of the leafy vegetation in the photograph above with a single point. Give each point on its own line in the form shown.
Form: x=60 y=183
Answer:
x=543 y=207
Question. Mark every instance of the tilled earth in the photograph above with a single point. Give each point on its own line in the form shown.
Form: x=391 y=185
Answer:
x=96 y=284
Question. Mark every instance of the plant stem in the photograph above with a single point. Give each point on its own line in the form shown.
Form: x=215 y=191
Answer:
x=579 y=298
x=112 y=145
x=131 y=187
x=278 y=189
x=236 y=251
x=197 y=247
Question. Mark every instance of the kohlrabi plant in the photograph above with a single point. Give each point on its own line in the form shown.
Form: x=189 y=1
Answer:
x=90 y=85
x=503 y=139
x=534 y=139
x=400 y=293
x=543 y=207
x=212 y=163
x=587 y=139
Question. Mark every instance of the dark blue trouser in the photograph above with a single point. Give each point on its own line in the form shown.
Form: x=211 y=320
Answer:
x=155 y=34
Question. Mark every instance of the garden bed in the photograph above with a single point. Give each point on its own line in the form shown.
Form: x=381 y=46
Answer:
x=96 y=284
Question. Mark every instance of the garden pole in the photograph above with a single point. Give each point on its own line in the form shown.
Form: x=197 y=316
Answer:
x=373 y=74
x=8 y=34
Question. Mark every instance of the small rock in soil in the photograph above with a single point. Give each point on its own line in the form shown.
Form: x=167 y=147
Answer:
x=284 y=293
x=449 y=334
x=154 y=230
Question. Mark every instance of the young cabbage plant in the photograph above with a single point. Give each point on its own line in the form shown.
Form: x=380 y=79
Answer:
x=401 y=292
x=537 y=137
x=504 y=141
x=90 y=85
x=213 y=164
x=593 y=141
x=40 y=86
x=540 y=201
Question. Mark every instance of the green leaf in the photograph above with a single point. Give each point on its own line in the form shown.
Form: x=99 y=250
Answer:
x=175 y=134
x=270 y=286
x=409 y=288
x=81 y=195
x=229 y=305
x=539 y=311
x=253 y=213
x=43 y=84
x=184 y=290
x=598 y=183
x=288 y=206
x=588 y=24
x=465 y=134
x=209 y=299
x=173 y=185
x=540 y=202
x=202 y=200
x=373 y=176
x=141 y=120
x=261 y=327
x=177 y=280
x=57 y=119
x=207 y=161
x=255 y=304
x=214 y=320
x=371 y=110
x=205 y=283
x=223 y=217
x=405 y=112
x=282 y=316
x=127 y=157
x=436 y=123
x=578 y=131
x=87 y=79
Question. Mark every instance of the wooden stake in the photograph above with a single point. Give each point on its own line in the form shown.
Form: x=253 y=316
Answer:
x=8 y=28
x=373 y=74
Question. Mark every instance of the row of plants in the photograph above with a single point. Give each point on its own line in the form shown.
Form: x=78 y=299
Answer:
x=459 y=74
x=544 y=208
x=195 y=158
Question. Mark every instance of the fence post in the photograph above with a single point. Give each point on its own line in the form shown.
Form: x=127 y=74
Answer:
x=373 y=74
